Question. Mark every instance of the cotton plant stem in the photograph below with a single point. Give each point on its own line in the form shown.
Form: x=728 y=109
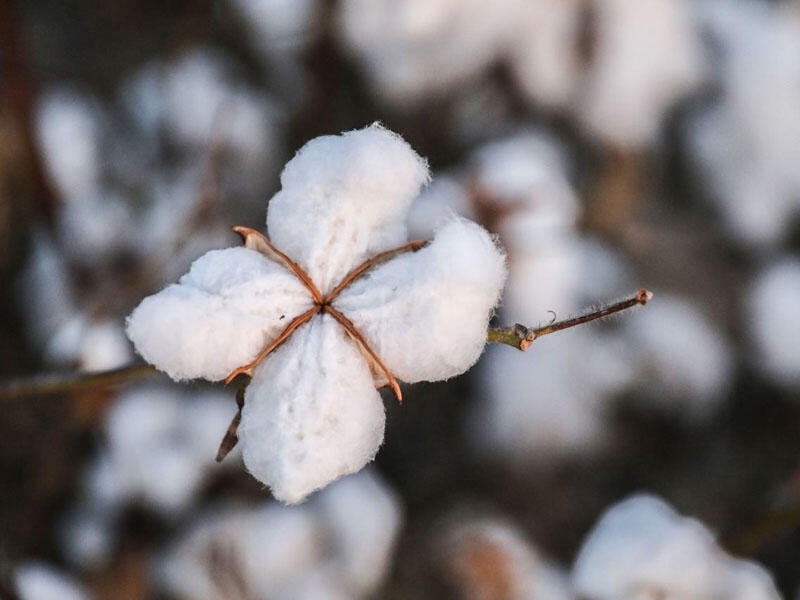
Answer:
x=518 y=336
x=50 y=384
x=521 y=337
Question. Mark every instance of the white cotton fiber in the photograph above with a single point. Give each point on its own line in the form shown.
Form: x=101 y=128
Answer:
x=38 y=581
x=104 y=346
x=641 y=546
x=361 y=516
x=343 y=199
x=647 y=55
x=311 y=413
x=773 y=321
x=426 y=314
x=220 y=315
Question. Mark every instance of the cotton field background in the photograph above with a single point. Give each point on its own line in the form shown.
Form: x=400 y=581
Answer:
x=609 y=145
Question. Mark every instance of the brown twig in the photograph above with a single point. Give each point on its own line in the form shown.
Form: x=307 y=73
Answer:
x=60 y=383
x=521 y=337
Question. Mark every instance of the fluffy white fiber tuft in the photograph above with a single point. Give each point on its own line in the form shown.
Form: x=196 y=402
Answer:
x=311 y=413
x=426 y=314
x=344 y=198
x=219 y=316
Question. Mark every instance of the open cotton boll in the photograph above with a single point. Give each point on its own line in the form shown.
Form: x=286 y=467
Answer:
x=68 y=130
x=685 y=361
x=337 y=546
x=311 y=413
x=160 y=448
x=344 y=198
x=647 y=55
x=489 y=559
x=544 y=54
x=444 y=295
x=773 y=323
x=265 y=549
x=544 y=407
x=39 y=581
x=642 y=548
x=412 y=49
x=746 y=143
x=104 y=346
x=361 y=517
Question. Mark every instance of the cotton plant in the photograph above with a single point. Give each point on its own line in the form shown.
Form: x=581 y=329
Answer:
x=641 y=549
x=772 y=323
x=490 y=559
x=340 y=544
x=744 y=143
x=337 y=303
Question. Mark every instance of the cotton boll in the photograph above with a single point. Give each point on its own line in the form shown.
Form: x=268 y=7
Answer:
x=160 y=448
x=489 y=559
x=685 y=361
x=361 y=516
x=647 y=55
x=746 y=143
x=772 y=321
x=546 y=403
x=416 y=48
x=544 y=55
x=641 y=546
x=343 y=199
x=300 y=431
x=265 y=548
x=68 y=129
x=38 y=581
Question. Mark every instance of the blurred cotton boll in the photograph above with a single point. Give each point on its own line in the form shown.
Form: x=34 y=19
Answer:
x=641 y=548
x=38 y=581
x=68 y=127
x=746 y=143
x=338 y=545
x=489 y=559
x=647 y=55
x=684 y=362
x=413 y=49
x=773 y=322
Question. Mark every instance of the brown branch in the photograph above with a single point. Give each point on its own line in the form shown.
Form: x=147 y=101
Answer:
x=60 y=383
x=521 y=337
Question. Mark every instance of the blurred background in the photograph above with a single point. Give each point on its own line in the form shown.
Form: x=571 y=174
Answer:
x=610 y=144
